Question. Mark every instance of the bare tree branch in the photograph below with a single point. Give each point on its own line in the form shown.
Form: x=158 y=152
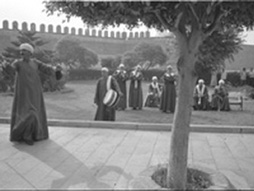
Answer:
x=197 y=20
x=216 y=21
x=176 y=28
x=178 y=19
x=214 y=26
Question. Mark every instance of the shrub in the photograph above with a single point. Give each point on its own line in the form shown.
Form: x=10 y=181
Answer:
x=148 y=74
x=233 y=78
x=84 y=74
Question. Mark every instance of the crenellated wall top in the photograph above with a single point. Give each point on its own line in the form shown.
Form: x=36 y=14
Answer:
x=42 y=28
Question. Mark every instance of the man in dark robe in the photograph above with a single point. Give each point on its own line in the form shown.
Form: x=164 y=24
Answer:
x=104 y=112
x=168 y=96
x=121 y=77
x=201 y=96
x=135 y=91
x=28 y=117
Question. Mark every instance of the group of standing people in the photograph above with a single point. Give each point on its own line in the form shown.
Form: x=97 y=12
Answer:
x=160 y=96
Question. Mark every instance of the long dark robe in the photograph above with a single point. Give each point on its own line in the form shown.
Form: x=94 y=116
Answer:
x=28 y=117
x=135 y=91
x=153 y=97
x=201 y=99
x=121 y=78
x=103 y=112
x=168 y=96
x=220 y=99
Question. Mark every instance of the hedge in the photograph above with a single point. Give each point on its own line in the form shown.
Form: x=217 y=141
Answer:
x=233 y=77
x=94 y=74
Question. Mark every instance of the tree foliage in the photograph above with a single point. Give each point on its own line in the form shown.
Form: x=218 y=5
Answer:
x=218 y=47
x=71 y=52
x=204 y=13
x=131 y=59
x=111 y=62
x=145 y=54
x=151 y=53
x=182 y=17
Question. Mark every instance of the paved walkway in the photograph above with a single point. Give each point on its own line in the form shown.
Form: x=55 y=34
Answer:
x=95 y=158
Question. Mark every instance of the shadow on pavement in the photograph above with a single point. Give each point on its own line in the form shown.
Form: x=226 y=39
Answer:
x=73 y=172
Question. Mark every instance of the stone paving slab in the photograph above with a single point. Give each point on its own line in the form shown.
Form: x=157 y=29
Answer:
x=99 y=158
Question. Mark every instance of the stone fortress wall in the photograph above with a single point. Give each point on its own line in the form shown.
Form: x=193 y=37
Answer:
x=101 y=42
x=104 y=42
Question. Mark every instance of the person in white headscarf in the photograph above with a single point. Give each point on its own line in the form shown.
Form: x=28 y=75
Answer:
x=220 y=99
x=201 y=96
x=28 y=117
x=154 y=93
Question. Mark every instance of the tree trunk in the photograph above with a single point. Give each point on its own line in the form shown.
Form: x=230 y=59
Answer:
x=177 y=168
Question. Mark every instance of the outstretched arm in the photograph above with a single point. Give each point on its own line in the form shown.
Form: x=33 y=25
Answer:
x=49 y=70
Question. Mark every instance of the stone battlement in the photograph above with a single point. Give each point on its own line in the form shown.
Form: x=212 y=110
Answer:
x=106 y=43
x=42 y=28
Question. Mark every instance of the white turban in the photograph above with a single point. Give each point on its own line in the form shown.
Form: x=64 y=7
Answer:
x=138 y=66
x=201 y=81
x=154 y=78
x=26 y=46
x=221 y=82
x=104 y=69
x=169 y=67
x=121 y=66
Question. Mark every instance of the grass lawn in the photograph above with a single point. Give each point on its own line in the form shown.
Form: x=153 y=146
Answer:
x=78 y=104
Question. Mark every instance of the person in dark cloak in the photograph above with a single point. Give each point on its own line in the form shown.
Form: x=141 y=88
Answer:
x=201 y=96
x=154 y=93
x=135 y=90
x=121 y=76
x=28 y=117
x=168 y=96
x=104 y=112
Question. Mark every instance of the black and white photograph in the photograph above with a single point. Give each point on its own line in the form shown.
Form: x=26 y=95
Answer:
x=126 y=95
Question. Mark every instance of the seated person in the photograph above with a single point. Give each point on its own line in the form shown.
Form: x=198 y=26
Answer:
x=201 y=96
x=154 y=92
x=220 y=99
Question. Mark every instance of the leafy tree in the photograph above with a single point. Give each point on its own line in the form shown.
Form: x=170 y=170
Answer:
x=220 y=45
x=192 y=23
x=111 y=62
x=71 y=52
x=131 y=59
x=171 y=48
x=91 y=58
x=151 y=53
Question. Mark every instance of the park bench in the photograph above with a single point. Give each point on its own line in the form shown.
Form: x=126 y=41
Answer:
x=236 y=100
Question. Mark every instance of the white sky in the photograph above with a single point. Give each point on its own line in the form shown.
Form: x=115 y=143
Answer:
x=30 y=11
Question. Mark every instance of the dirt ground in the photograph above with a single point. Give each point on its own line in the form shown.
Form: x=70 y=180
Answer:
x=76 y=102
